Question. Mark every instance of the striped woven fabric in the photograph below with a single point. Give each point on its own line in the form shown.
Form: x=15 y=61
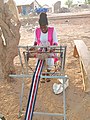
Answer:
x=33 y=90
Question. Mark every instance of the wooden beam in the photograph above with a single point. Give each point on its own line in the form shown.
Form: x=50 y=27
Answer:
x=81 y=51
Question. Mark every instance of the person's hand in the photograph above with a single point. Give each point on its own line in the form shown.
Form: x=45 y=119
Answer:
x=32 y=49
x=52 y=50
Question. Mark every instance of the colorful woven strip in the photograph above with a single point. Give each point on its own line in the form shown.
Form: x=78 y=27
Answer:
x=33 y=90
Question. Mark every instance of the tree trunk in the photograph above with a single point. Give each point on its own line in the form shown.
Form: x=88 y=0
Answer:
x=9 y=38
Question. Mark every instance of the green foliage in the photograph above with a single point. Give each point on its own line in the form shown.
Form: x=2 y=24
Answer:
x=69 y=3
x=87 y=1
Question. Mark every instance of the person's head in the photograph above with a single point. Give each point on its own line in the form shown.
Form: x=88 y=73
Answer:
x=43 y=22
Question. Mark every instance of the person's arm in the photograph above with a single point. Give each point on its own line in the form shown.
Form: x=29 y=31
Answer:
x=55 y=40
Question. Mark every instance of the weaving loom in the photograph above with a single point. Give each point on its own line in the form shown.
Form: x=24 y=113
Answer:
x=41 y=53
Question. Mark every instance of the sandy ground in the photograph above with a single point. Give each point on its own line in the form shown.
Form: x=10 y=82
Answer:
x=77 y=101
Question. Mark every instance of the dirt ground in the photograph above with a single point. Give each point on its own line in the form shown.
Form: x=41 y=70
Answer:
x=77 y=101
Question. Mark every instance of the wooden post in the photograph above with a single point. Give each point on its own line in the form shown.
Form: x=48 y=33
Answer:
x=75 y=53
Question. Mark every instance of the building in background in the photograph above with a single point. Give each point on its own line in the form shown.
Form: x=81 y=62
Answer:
x=25 y=9
x=56 y=7
x=30 y=7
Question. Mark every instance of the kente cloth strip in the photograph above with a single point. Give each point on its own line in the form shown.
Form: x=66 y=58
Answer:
x=33 y=90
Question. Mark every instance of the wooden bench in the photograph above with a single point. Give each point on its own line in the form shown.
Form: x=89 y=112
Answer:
x=81 y=51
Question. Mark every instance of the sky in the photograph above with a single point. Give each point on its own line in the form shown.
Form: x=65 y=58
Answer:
x=42 y=2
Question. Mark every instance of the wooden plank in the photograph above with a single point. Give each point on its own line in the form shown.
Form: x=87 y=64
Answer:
x=81 y=51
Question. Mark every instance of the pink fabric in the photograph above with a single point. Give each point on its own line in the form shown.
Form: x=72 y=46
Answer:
x=55 y=60
x=50 y=38
x=50 y=35
x=38 y=32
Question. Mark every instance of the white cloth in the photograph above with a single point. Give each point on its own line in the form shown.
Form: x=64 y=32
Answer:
x=58 y=88
x=44 y=37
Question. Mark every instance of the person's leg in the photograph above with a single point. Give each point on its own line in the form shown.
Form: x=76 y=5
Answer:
x=43 y=79
x=43 y=73
x=48 y=74
x=50 y=64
